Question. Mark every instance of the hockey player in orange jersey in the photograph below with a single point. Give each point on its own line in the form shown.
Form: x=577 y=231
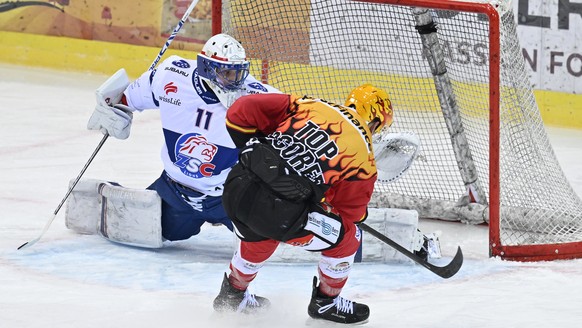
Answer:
x=305 y=175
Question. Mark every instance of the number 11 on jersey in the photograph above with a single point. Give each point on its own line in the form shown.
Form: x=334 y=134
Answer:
x=201 y=114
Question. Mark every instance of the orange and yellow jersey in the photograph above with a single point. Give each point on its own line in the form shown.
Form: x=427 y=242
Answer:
x=327 y=143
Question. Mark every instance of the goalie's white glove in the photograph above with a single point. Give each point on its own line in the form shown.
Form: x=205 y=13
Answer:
x=109 y=116
x=112 y=120
x=394 y=154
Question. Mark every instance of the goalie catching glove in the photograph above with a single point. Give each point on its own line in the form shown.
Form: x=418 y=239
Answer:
x=110 y=116
x=394 y=154
x=115 y=121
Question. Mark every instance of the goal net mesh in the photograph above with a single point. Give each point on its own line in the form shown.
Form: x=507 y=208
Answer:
x=435 y=65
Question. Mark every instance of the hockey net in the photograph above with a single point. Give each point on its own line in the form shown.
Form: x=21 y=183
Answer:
x=457 y=78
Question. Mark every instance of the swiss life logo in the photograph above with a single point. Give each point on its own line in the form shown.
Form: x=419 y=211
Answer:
x=168 y=89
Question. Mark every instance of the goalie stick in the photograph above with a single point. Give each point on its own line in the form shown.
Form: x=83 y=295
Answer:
x=154 y=63
x=446 y=271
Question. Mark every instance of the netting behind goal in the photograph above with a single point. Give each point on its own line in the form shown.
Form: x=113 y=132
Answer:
x=456 y=77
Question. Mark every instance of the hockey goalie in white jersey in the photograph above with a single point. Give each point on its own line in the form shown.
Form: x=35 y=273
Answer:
x=198 y=153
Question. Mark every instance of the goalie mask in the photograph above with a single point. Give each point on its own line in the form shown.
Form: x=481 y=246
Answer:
x=223 y=62
x=372 y=104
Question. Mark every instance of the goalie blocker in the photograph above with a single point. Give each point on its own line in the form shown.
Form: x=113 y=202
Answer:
x=122 y=215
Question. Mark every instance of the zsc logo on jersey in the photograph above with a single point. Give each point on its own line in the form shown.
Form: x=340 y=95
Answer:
x=258 y=86
x=194 y=155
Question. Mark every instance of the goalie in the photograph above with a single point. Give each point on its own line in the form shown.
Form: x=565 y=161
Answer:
x=192 y=97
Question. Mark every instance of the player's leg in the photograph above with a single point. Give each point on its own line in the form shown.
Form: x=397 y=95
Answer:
x=244 y=266
x=182 y=210
x=214 y=212
x=334 y=268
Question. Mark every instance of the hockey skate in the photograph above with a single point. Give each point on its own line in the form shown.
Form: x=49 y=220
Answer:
x=336 y=309
x=231 y=299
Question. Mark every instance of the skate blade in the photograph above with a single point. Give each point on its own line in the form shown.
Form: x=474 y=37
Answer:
x=311 y=322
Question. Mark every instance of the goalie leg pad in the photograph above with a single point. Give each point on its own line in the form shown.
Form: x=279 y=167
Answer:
x=397 y=224
x=83 y=211
x=401 y=226
x=131 y=216
x=123 y=215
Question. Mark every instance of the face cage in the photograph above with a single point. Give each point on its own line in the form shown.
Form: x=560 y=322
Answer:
x=227 y=76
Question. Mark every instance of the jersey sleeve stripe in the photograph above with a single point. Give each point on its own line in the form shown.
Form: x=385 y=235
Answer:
x=246 y=130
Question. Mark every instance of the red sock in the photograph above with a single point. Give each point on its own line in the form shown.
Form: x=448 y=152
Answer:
x=240 y=280
x=330 y=287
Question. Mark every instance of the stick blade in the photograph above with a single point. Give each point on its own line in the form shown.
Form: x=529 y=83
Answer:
x=28 y=244
x=44 y=230
x=450 y=269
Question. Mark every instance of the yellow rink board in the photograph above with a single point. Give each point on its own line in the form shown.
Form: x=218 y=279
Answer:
x=68 y=54
x=71 y=54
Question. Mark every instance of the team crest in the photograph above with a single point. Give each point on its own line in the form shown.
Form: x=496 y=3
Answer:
x=194 y=155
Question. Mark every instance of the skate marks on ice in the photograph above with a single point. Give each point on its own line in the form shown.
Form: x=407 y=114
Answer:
x=182 y=266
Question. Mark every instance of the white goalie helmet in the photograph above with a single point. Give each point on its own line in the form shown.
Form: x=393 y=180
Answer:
x=223 y=62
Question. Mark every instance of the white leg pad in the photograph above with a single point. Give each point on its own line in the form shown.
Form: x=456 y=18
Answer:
x=397 y=224
x=122 y=215
x=131 y=216
x=83 y=211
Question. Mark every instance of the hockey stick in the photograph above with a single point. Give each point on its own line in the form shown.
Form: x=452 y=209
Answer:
x=174 y=33
x=47 y=225
x=446 y=271
x=155 y=62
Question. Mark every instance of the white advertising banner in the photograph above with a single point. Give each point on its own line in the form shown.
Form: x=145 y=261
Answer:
x=550 y=33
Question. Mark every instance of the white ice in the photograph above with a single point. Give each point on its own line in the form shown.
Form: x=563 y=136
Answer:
x=70 y=280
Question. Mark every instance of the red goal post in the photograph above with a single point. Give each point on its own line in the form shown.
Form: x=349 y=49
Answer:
x=457 y=78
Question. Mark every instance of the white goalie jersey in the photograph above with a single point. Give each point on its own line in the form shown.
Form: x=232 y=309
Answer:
x=198 y=151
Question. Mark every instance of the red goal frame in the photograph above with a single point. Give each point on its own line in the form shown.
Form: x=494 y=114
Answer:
x=569 y=250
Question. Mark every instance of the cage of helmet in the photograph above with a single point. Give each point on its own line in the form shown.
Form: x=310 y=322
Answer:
x=223 y=62
x=227 y=75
